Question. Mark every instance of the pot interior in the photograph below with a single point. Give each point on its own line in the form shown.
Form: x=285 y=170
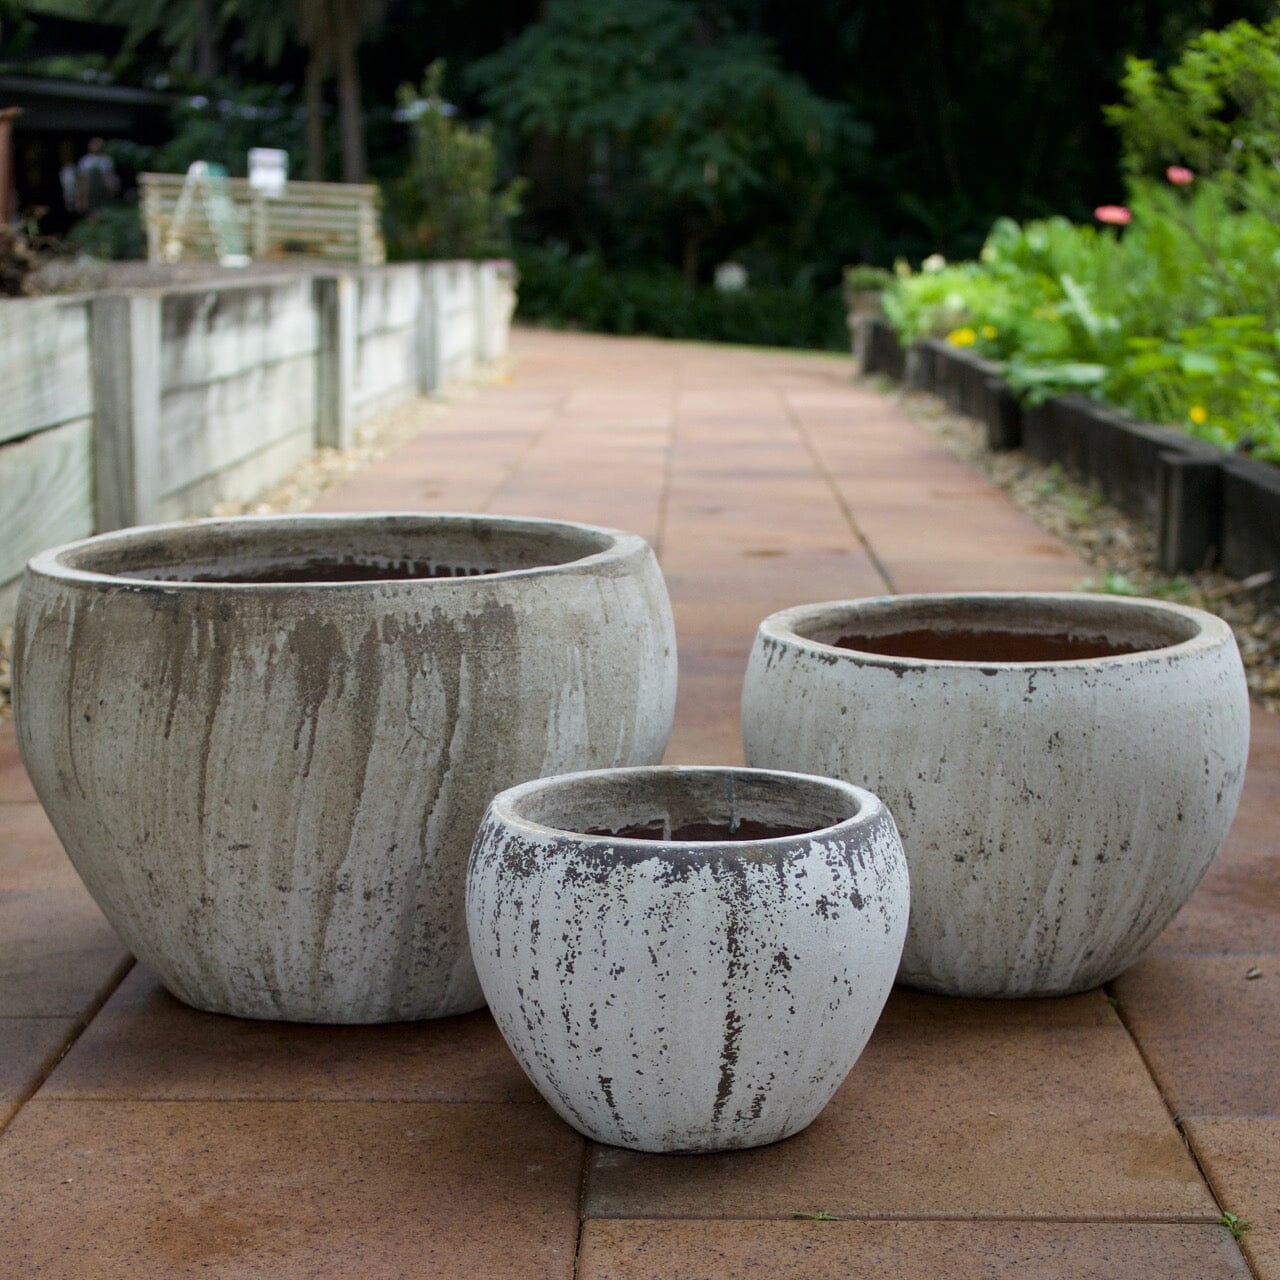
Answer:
x=359 y=549
x=712 y=806
x=1001 y=629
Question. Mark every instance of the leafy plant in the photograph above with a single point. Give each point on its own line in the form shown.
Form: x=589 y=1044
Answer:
x=1219 y=380
x=1233 y=1224
x=1216 y=109
x=1177 y=317
x=448 y=203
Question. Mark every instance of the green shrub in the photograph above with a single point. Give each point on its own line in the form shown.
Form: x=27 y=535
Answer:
x=112 y=232
x=579 y=292
x=447 y=203
x=1216 y=109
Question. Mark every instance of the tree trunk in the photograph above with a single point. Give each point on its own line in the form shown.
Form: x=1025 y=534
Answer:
x=206 y=42
x=350 y=113
x=315 y=119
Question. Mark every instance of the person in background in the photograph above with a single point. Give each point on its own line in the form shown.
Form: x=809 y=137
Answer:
x=96 y=181
x=67 y=176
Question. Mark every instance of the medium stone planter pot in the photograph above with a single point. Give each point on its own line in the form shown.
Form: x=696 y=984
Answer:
x=1064 y=767
x=687 y=959
x=267 y=743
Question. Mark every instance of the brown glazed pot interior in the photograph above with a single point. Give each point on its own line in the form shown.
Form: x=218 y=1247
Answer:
x=1000 y=629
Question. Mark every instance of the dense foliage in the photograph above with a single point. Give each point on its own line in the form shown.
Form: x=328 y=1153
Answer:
x=671 y=140
x=579 y=292
x=1215 y=111
x=1176 y=316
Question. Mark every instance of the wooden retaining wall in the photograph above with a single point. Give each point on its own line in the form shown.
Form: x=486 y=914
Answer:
x=46 y=427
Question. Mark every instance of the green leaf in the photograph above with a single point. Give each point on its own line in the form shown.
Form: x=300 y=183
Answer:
x=1198 y=362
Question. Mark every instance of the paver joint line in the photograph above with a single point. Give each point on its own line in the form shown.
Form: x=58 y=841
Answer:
x=851 y=519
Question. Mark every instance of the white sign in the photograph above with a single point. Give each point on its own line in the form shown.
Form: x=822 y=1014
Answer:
x=268 y=170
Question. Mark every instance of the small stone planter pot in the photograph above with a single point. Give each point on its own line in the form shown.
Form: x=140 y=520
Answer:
x=1063 y=767
x=687 y=959
x=267 y=743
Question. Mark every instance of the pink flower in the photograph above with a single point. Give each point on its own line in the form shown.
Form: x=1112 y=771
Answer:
x=1114 y=214
x=1179 y=175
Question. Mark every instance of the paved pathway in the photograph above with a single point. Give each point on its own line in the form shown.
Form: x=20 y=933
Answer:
x=1001 y=1140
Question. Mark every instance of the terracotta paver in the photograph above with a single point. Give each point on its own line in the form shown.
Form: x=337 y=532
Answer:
x=1210 y=1029
x=1022 y=1109
x=30 y=1048
x=144 y=1044
x=1242 y=1159
x=161 y=1190
x=58 y=956
x=974 y=1138
x=623 y=1250
x=1237 y=908
x=14 y=784
x=31 y=855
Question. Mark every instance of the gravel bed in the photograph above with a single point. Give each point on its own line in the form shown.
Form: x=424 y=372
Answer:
x=1120 y=549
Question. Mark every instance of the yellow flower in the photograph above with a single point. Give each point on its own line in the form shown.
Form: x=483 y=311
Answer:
x=965 y=337
x=989 y=331
x=1198 y=414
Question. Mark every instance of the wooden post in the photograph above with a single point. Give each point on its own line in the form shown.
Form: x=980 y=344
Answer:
x=427 y=331
x=124 y=336
x=1004 y=416
x=335 y=300
x=1188 y=512
x=8 y=186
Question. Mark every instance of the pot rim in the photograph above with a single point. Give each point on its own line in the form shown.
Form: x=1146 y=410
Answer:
x=782 y=627
x=52 y=562
x=870 y=809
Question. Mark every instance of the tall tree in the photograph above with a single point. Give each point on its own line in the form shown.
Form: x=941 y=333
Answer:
x=674 y=115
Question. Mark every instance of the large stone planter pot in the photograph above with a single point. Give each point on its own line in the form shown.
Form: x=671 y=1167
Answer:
x=267 y=743
x=687 y=959
x=1063 y=767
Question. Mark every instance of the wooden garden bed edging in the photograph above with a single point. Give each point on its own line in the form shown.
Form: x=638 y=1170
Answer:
x=1203 y=504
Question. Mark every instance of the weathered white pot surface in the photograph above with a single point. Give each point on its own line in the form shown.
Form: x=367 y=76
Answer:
x=269 y=778
x=1057 y=809
x=702 y=989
